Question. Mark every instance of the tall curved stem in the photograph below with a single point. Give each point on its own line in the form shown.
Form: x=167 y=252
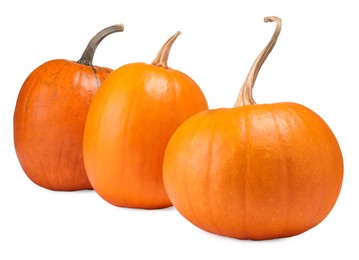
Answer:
x=245 y=96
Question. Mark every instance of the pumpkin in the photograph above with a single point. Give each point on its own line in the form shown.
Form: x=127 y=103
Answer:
x=50 y=116
x=254 y=171
x=129 y=123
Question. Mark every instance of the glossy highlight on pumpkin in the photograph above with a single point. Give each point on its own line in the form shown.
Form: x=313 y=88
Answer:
x=255 y=171
x=130 y=121
x=50 y=116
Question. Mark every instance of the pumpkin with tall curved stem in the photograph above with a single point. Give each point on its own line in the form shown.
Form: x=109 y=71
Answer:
x=255 y=171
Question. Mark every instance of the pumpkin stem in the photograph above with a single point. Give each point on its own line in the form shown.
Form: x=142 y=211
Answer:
x=162 y=56
x=245 y=96
x=87 y=55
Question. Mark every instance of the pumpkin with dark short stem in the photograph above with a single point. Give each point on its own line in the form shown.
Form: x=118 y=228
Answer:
x=129 y=123
x=255 y=171
x=50 y=116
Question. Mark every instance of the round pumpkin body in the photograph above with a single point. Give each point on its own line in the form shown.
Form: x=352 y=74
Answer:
x=129 y=123
x=50 y=115
x=49 y=120
x=254 y=172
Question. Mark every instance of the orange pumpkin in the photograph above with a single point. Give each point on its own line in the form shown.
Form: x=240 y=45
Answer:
x=255 y=171
x=50 y=116
x=128 y=126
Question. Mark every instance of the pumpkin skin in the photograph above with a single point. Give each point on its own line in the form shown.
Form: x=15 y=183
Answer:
x=50 y=116
x=255 y=171
x=129 y=123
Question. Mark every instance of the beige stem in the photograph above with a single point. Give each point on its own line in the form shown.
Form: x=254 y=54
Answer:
x=162 y=56
x=245 y=96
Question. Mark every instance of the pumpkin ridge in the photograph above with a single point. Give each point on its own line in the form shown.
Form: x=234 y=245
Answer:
x=133 y=103
x=177 y=87
x=139 y=85
x=315 y=214
x=108 y=94
x=125 y=122
x=96 y=76
x=246 y=135
x=193 y=208
x=67 y=69
x=286 y=167
x=296 y=114
x=208 y=174
x=171 y=85
x=314 y=218
x=45 y=178
x=171 y=80
x=99 y=112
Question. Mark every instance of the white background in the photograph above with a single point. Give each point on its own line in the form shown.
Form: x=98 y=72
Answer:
x=314 y=63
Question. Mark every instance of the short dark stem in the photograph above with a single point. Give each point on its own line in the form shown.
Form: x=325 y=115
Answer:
x=88 y=54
